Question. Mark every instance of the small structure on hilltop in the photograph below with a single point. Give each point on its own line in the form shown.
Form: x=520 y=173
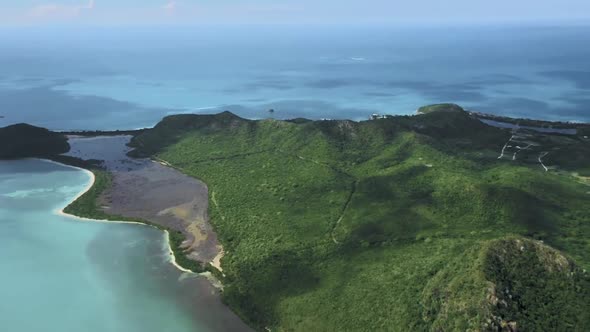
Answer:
x=376 y=116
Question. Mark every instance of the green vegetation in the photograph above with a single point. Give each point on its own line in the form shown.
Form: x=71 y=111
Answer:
x=440 y=108
x=571 y=153
x=26 y=141
x=403 y=223
x=509 y=283
x=176 y=240
x=536 y=286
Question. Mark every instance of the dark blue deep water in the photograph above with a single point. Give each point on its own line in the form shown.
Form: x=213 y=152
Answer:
x=129 y=78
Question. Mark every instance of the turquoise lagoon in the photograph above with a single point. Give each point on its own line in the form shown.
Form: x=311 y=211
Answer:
x=59 y=273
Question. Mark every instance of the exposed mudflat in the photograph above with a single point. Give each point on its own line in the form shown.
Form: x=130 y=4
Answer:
x=148 y=190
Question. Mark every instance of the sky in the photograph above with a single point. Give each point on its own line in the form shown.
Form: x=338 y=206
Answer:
x=194 y=12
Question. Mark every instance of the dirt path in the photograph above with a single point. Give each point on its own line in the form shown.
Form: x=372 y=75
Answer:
x=346 y=205
x=541 y=156
x=505 y=146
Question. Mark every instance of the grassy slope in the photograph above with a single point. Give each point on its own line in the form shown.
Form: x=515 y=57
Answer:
x=337 y=225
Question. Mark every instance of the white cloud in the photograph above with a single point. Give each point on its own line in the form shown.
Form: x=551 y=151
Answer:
x=57 y=11
x=170 y=7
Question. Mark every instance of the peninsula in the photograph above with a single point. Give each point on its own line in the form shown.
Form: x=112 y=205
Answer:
x=437 y=221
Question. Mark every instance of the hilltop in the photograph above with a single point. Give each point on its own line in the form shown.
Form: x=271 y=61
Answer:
x=401 y=223
x=26 y=141
x=445 y=108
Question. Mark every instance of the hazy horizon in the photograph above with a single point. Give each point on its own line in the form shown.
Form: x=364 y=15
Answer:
x=350 y=12
x=128 y=63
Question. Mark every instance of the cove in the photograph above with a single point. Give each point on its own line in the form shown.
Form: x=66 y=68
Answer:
x=61 y=273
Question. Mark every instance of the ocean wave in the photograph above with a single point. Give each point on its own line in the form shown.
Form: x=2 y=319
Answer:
x=27 y=193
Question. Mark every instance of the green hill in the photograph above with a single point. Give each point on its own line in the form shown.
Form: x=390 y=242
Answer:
x=444 y=108
x=403 y=223
x=509 y=284
x=26 y=141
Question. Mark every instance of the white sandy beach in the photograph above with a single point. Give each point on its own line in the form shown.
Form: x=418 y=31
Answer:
x=86 y=189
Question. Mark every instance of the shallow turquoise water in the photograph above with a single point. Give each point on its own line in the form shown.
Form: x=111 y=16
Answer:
x=62 y=274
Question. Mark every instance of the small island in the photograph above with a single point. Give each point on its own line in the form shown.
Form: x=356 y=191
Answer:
x=437 y=221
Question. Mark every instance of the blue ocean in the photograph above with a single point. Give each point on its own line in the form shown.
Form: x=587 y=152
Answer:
x=125 y=78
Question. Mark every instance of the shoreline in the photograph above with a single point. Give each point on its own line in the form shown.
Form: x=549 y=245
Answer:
x=172 y=257
x=216 y=263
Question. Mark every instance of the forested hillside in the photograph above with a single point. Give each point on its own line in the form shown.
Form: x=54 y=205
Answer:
x=405 y=223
